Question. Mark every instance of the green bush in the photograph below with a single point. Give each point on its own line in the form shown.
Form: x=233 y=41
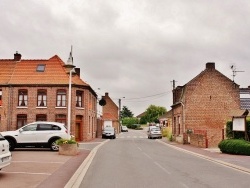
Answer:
x=235 y=146
x=167 y=132
x=65 y=141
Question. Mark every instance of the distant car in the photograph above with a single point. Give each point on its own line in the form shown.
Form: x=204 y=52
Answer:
x=37 y=134
x=154 y=132
x=108 y=132
x=5 y=155
x=124 y=128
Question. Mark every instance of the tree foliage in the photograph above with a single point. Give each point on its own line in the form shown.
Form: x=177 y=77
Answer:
x=129 y=121
x=125 y=112
x=153 y=113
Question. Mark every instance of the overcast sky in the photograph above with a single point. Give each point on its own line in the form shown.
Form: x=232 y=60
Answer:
x=132 y=48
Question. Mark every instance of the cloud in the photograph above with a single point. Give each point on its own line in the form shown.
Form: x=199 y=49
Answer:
x=132 y=49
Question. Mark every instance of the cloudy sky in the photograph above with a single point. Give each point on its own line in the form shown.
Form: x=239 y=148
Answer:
x=132 y=48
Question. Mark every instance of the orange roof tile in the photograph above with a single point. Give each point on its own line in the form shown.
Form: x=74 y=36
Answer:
x=24 y=72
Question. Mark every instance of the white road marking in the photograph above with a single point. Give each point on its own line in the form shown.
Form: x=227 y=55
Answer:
x=161 y=167
x=184 y=185
x=36 y=162
x=147 y=155
x=47 y=174
x=139 y=148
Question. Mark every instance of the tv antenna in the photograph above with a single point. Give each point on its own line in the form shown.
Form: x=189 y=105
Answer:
x=233 y=67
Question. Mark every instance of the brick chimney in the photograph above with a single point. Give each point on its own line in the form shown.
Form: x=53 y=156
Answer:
x=17 y=56
x=210 y=65
x=77 y=70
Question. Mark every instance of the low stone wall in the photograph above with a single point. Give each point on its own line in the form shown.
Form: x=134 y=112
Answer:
x=198 y=140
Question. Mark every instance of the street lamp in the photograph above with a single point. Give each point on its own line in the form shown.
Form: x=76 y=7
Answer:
x=70 y=69
x=119 y=101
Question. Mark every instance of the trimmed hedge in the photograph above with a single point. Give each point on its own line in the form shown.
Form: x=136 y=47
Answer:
x=235 y=146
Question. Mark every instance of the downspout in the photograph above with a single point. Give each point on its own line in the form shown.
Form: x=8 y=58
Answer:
x=10 y=106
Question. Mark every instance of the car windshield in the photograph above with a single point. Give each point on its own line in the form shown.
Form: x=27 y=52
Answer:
x=156 y=129
x=108 y=128
x=1 y=137
x=124 y=127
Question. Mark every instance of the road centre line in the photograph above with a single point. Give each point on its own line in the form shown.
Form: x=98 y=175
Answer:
x=139 y=148
x=184 y=185
x=147 y=155
x=161 y=167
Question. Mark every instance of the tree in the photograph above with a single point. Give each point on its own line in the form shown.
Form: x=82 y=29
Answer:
x=125 y=112
x=153 y=113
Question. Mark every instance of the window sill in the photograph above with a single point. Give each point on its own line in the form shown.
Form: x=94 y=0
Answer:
x=61 y=107
x=21 y=107
x=80 y=108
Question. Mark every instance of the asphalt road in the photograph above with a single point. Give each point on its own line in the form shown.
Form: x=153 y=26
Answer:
x=134 y=161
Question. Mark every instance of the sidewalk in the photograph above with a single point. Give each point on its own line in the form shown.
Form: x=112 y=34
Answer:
x=240 y=162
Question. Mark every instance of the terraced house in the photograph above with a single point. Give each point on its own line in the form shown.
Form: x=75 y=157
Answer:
x=37 y=90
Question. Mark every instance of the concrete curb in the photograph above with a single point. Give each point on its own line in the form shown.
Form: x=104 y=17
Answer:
x=246 y=170
x=78 y=176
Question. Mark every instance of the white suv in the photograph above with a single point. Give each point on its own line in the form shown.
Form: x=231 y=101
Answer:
x=37 y=134
x=5 y=155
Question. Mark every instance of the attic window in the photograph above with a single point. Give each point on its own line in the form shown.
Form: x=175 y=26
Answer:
x=40 y=68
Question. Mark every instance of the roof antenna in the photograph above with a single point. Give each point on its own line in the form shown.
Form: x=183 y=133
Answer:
x=233 y=67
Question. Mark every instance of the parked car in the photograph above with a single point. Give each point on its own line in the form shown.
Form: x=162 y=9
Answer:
x=109 y=132
x=5 y=155
x=124 y=128
x=37 y=134
x=154 y=132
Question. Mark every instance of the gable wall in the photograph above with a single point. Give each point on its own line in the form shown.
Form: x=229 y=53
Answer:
x=209 y=99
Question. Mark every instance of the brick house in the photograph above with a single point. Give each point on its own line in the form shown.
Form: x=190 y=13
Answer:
x=203 y=106
x=110 y=113
x=37 y=90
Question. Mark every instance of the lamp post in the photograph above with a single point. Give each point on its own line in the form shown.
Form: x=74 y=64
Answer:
x=70 y=69
x=119 y=101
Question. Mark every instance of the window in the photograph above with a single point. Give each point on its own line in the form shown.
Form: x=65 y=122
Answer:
x=31 y=127
x=41 y=117
x=22 y=97
x=0 y=97
x=179 y=125
x=21 y=120
x=40 y=68
x=61 y=118
x=61 y=98
x=41 y=97
x=79 y=99
x=47 y=127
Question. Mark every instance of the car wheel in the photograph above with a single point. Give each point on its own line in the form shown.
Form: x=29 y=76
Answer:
x=53 y=145
x=11 y=144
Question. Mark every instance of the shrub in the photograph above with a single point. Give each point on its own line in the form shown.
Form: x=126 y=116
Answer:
x=65 y=141
x=167 y=132
x=235 y=146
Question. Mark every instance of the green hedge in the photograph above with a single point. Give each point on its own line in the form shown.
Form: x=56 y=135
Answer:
x=235 y=146
x=135 y=126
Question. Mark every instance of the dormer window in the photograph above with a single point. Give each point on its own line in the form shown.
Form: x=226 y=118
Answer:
x=40 y=68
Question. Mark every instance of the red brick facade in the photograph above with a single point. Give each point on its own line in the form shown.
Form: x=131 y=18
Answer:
x=204 y=105
x=23 y=76
x=110 y=112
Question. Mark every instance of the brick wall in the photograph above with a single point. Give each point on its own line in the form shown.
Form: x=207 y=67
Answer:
x=10 y=109
x=209 y=98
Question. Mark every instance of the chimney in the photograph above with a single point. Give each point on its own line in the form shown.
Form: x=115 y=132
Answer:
x=77 y=70
x=106 y=94
x=17 y=56
x=210 y=65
